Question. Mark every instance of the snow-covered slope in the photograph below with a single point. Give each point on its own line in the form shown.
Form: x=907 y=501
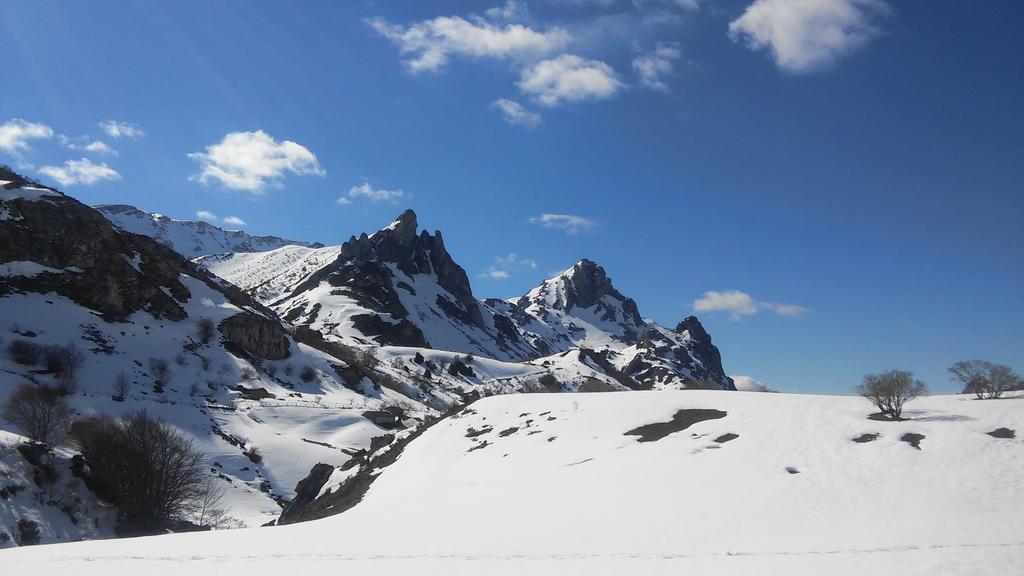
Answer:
x=557 y=484
x=190 y=238
x=68 y=276
x=398 y=287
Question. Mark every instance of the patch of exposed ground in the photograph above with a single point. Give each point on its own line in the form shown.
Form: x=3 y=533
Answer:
x=682 y=420
x=727 y=437
x=913 y=439
x=1003 y=433
x=865 y=438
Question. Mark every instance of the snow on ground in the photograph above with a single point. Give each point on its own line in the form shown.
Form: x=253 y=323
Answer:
x=558 y=488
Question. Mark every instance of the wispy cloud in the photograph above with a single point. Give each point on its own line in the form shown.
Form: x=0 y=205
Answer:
x=83 y=144
x=235 y=221
x=117 y=130
x=368 y=192
x=739 y=304
x=652 y=67
x=808 y=35
x=81 y=171
x=749 y=384
x=252 y=161
x=505 y=266
x=569 y=223
x=515 y=113
x=569 y=78
x=430 y=44
x=16 y=134
x=206 y=215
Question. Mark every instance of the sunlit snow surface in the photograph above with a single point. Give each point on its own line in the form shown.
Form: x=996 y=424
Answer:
x=568 y=493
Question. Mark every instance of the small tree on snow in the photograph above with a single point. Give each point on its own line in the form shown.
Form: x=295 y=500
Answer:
x=161 y=373
x=984 y=379
x=121 y=387
x=39 y=413
x=890 y=390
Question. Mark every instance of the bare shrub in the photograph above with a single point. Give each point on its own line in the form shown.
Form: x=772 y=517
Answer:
x=890 y=390
x=121 y=387
x=180 y=360
x=38 y=412
x=147 y=468
x=307 y=374
x=160 y=370
x=288 y=369
x=206 y=330
x=985 y=379
x=24 y=352
x=193 y=390
x=248 y=373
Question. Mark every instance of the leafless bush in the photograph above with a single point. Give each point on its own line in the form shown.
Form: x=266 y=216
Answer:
x=206 y=330
x=248 y=373
x=307 y=374
x=288 y=369
x=147 y=468
x=24 y=352
x=38 y=412
x=161 y=373
x=890 y=390
x=121 y=387
x=985 y=379
x=180 y=360
x=193 y=389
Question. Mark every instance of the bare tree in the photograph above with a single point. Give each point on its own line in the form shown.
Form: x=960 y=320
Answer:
x=147 y=468
x=208 y=509
x=890 y=390
x=24 y=352
x=121 y=387
x=38 y=412
x=985 y=379
x=161 y=373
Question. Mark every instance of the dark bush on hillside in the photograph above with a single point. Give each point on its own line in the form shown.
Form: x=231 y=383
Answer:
x=121 y=387
x=64 y=362
x=890 y=390
x=24 y=352
x=160 y=370
x=206 y=330
x=28 y=532
x=38 y=412
x=307 y=374
x=985 y=379
x=144 y=466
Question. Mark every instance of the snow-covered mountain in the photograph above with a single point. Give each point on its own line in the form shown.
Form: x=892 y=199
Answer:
x=69 y=277
x=191 y=238
x=694 y=482
x=400 y=287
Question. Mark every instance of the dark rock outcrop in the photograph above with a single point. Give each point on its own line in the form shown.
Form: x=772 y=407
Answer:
x=256 y=335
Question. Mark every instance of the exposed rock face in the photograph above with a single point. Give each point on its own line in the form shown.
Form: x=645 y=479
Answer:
x=258 y=336
x=94 y=264
x=306 y=492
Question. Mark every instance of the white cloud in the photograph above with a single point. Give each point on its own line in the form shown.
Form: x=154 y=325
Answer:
x=515 y=113
x=569 y=223
x=81 y=171
x=428 y=45
x=15 y=135
x=569 y=78
x=116 y=129
x=367 y=191
x=655 y=65
x=83 y=144
x=748 y=384
x=512 y=10
x=791 y=310
x=808 y=35
x=234 y=221
x=495 y=274
x=505 y=266
x=206 y=215
x=685 y=5
x=251 y=161
x=739 y=304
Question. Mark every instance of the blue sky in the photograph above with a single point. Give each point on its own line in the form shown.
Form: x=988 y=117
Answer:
x=837 y=186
